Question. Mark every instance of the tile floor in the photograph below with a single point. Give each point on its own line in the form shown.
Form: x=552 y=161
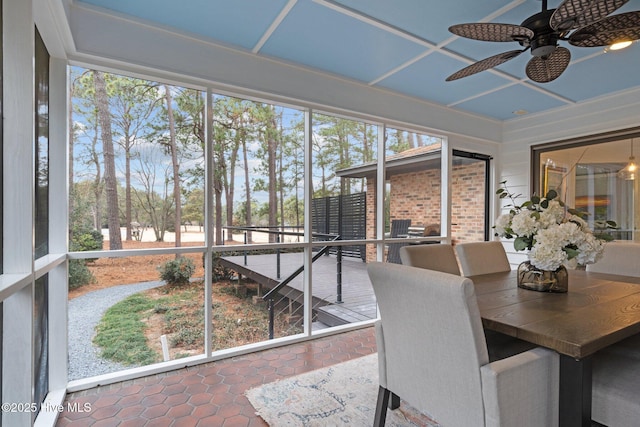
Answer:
x=211 y=394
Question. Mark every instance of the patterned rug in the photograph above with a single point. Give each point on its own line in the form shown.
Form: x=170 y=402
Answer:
x=340 y=395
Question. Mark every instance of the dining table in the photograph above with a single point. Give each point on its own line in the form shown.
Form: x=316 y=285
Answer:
x=597 y=311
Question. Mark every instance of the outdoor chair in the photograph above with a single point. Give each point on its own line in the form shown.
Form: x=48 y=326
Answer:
x=478 y=258
x=399 y=228
x=432 y=353
x=439 y=257
x=618 y=258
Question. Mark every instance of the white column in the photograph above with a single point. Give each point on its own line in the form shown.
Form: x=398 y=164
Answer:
x=18 y=176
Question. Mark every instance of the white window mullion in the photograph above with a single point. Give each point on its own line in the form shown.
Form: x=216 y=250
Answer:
x=380 y=192
x=445 y=190
x=58 y=222
x=308 y=238
x=208 y=223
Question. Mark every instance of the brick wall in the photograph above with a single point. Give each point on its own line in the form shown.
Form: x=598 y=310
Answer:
x=416 y=196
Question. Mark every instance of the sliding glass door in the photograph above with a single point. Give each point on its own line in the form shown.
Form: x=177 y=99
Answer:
x=469 y=197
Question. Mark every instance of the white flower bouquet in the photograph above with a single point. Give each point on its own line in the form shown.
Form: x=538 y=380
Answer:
x=553 y=234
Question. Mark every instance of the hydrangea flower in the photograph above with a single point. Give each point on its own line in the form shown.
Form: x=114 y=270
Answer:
x=552 y=233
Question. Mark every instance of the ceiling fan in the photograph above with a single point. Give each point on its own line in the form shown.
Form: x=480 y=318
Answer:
x=583 y=23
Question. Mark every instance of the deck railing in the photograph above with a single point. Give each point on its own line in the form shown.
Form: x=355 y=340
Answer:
x=269 y=296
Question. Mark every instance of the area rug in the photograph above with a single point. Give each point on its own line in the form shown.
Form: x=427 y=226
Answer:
x=341 y=395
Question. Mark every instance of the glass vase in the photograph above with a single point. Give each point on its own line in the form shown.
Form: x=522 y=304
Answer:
x=535 y=279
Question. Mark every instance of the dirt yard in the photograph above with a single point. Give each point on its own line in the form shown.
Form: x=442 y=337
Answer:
x=122 y=271
x=243 y=321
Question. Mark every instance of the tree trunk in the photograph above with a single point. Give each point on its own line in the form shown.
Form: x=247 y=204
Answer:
x=176 y=165
x=127 y=186
x=111 y=188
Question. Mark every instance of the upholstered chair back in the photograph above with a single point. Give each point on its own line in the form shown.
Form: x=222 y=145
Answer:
x=618 y=258
x=439 y=257
x=482 y=258
x=433 y=341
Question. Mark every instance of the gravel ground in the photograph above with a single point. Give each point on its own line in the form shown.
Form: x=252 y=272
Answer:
x=85 y=313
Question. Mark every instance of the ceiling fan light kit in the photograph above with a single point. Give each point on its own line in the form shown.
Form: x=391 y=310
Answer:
x=583 y=23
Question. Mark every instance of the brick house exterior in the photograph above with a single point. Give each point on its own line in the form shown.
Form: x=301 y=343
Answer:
x=415 y=195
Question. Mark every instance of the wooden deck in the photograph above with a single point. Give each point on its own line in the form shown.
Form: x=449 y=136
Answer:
x=358 y=301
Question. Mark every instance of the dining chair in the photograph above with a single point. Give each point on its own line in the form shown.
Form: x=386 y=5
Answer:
x=482 y=258
x=615 y=400
x=432 y=353
x=618 y=258
x=439 y=257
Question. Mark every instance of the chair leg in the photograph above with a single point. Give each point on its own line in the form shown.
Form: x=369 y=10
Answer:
x=394 y=401
x=381 y=407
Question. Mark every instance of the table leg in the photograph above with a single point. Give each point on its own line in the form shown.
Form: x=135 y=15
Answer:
x=575 y=392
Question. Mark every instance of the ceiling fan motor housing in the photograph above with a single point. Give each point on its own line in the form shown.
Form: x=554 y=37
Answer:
x=545 y=39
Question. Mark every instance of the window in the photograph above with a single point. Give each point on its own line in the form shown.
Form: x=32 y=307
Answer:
x=589 y=174
x=41 y=148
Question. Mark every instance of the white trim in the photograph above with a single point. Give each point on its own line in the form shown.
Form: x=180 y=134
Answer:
x=307 y=274
x=18 y=182
x=208 y=224
x=274 y=25
x=445 y=190
x=45 y=264
x=12 y=283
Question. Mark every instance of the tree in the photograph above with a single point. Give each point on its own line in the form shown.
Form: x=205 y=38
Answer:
x=104 y=120
x=173 y=150
x=134 y=101
x=157 y=206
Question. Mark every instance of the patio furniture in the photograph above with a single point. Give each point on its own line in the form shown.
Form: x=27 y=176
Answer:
x=399 y=228
x=478 y=258
x=598 y=311
x=618 y=258
x=442 y=258
x=439 y=257
x=432 y=353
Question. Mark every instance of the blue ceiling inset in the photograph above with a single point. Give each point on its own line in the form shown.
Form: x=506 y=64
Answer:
x=401 y=45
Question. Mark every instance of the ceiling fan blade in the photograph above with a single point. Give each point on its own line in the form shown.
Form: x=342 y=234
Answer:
x=543 y=69
x=616 y=28
x=484 y=64
x=579 y=13
x=492 y=32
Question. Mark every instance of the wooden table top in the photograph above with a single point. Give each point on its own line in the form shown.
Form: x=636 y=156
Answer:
x=599 y=310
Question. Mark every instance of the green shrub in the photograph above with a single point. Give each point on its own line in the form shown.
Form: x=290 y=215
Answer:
x=177 y=271
x=87 y=241
x=79 y=274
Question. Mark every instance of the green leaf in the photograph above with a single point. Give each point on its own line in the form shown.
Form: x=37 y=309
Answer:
x=571 y=253
x=551 y=194
x=520 y=244
x=612 y=224
x=544 y=204
x=580 y=214
x=603 y=236
x=535 y=200
x=500 y=190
